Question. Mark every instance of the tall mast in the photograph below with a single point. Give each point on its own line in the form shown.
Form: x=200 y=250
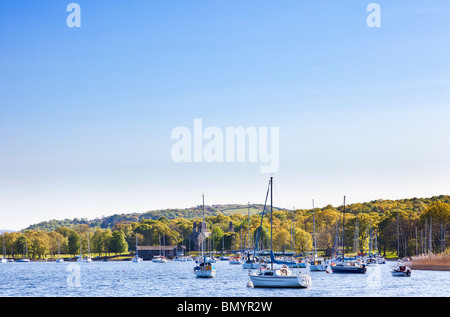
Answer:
x=271 y=217
x=136 y=246
x=370 y=238
x=314 y=230
x=203 y=224
x=343 y=233
x=248 y=230
x=398 y=237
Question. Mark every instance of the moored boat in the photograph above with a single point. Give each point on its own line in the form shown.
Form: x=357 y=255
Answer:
x=318 y=265
x=349 y=267
x=235 y=260
x=137 y=258
x=279 y=278
x=401 y=269
x=250 y=264
x=205 y=268
x=276 y=278
x=159 y=259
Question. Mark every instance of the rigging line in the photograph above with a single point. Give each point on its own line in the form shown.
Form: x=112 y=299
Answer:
x=260 y=225
x=278 y=196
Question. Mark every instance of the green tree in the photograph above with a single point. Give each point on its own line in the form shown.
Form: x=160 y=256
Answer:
x=106 y=238
x=118 y=243
x=73 y=243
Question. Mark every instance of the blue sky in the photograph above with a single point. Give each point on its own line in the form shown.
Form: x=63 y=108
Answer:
x=86 y=113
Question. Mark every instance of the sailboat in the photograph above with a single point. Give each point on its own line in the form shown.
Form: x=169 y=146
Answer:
x=159 y=258
x=204 y=269
x=249 y=263
x=25 y=258
x=59 y=259
x=86 y=259
x=401 y=269
x=345 y=266
x=276 y=278
x=4 y=260
x=370 y=260
x=224 y=257
x=136 y=258
x=316 y=264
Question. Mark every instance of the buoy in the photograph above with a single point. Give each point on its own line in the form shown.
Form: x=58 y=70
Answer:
x=249 y=284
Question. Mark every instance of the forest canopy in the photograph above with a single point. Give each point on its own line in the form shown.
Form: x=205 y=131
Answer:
x=420 y=224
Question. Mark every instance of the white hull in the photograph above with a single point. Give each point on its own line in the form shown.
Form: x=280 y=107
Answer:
x=137 y=260
x=400 y=273
x=86 y=260
x=317 y=267
x=404 y=272
x=401 y=270
x=372 y=264
x=23 y=260
x=159 y=259
x=293 y=281
x=205 y=274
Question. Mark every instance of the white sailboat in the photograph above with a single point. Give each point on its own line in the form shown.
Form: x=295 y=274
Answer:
x=86 y=259
x=277 y=278
x=224 y=257
x=4 y=260
x=235 y=260
x=59 y=259
x=317 y=264
x=25 y=258
x=204 y=269
x=136 y=258
x=159 y=258
x=343 y=265
x=401 y=269
x=249 y=263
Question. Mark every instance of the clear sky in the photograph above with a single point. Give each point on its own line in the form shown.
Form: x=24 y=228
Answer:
x=86 y=114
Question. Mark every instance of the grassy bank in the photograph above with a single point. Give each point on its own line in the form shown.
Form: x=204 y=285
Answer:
x=433 y=262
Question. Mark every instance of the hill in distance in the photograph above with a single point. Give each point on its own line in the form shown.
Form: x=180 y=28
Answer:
x=187 y=213
x=381 y=205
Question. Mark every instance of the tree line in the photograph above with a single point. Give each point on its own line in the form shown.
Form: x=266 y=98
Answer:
x=409 y=227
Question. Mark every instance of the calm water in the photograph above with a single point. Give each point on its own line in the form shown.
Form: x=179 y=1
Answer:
x=176 y=279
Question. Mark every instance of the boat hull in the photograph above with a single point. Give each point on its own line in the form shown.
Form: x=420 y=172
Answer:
x=205 y=274
x=405 y=272
x=297 y=265
x=401 y=273
x=348 y=270
x=317 y=267
x=280 y=281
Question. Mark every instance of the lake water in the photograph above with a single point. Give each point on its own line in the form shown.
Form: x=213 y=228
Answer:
x=176 y=279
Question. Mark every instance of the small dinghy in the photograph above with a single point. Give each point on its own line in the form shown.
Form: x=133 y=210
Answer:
x=401 y=269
